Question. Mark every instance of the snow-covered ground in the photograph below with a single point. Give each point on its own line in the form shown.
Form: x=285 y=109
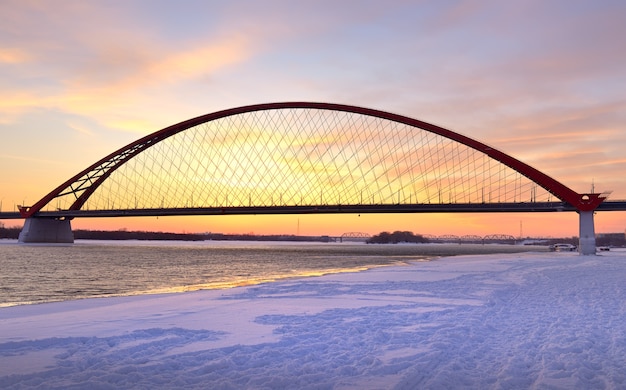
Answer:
x=542 y=321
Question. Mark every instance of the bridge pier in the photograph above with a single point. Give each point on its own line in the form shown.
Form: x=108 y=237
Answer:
x=587 y=234
x=46 y=230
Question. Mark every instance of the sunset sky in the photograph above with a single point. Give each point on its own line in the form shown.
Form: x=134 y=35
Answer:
x=541 y=80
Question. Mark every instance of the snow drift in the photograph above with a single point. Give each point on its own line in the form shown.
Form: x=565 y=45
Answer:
x=544 y=321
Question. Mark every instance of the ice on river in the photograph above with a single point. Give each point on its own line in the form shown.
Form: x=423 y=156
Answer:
x=544 y=321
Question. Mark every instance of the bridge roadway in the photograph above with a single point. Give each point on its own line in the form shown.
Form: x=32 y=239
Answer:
x=325 y=209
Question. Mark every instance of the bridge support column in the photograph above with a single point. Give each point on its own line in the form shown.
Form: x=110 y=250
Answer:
x=587 y=234
x=46 y=230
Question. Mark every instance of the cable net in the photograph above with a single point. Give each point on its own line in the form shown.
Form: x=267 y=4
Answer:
x=304 y=156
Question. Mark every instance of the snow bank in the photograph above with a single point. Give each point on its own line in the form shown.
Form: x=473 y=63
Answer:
x=502 y=321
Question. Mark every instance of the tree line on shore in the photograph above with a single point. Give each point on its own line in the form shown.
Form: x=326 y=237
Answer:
x=123 y=234
x=397 y=237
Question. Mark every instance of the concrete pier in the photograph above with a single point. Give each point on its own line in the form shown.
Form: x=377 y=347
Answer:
x=587 y=234
x=46 y=230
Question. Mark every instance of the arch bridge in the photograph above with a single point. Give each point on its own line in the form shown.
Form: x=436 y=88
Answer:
x=299 y=158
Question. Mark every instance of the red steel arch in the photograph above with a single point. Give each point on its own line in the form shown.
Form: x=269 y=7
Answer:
x=107 y=165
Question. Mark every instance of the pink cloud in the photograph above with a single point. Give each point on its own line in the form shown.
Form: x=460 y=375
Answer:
x=13 y=56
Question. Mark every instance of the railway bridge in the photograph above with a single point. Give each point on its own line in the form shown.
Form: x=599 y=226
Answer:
x=301 y=158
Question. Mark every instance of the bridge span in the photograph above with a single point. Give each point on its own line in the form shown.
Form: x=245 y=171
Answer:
x=304 y=158
x=541 y=207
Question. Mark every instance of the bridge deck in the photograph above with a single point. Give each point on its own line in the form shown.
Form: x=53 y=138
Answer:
x=325 y=209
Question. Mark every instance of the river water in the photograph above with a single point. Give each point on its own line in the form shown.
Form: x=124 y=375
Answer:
x=38 y=273
x=47 y=273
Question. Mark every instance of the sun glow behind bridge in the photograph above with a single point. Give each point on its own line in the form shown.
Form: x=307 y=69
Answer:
x=305 y=156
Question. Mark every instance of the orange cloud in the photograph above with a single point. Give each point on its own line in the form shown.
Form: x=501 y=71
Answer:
x=13 y=56
x=133 y=87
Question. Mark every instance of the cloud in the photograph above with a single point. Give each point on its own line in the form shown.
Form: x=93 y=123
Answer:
x=28 y=159
x=86 y=69
x=13 y=56
x=122 y=98
x=80 y=128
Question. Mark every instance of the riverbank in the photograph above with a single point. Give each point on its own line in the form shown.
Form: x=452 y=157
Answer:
x=528 y=320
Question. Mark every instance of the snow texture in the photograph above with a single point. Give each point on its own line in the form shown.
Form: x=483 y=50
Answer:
x=539 y=321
